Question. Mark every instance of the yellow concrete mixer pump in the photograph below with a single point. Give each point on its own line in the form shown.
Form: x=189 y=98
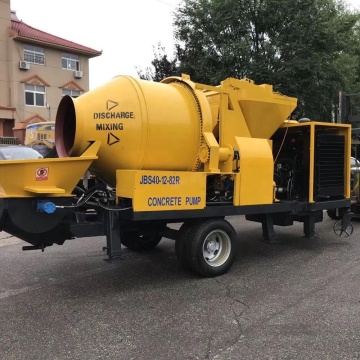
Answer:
x=178 y=152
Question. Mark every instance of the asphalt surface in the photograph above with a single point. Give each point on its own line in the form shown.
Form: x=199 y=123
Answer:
x=299 y=299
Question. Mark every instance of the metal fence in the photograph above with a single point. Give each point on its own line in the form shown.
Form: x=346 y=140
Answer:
x=9 y=140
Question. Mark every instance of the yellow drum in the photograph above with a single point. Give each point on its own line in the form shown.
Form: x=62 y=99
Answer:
x=141 y=124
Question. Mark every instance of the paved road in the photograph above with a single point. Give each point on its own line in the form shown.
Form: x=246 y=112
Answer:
x=299 y=299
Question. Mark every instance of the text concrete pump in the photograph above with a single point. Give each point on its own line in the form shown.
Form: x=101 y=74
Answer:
x=177 y=152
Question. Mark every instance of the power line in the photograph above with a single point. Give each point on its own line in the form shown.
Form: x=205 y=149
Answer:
x=166 y=3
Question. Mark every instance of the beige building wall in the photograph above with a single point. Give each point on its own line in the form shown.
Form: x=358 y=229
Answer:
x=4 y=61
x=14 y=113
x=51 y=73
x=7 y=111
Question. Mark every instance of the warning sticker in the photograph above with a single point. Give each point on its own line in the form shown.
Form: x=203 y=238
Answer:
x=42 y=173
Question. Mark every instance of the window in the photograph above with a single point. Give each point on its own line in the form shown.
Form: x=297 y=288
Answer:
x=34 y=95
x=34 y=54
x=72 y=93
x=71 y=62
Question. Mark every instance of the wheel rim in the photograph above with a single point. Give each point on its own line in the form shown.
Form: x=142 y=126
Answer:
x=216 y=248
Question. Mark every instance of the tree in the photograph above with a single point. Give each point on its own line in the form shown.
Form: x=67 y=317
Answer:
x=306 y=48
x=315 y=47
x=163 y=67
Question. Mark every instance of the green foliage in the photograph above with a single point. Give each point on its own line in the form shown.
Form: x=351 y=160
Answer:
x=309 y=49
x=162 y=66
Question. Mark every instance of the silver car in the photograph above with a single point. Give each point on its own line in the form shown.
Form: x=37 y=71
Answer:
x=18 y=152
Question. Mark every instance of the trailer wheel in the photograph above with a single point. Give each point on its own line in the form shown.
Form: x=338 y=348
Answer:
x=181 y=243
x=212 y=248
x=138 y=240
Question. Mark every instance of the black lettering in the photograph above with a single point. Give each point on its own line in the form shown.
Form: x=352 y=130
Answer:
x=109 y=127
x=114 y=115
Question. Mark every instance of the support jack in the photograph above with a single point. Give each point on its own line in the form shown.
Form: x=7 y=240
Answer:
x=113 y=241
x=343 y=227
x=34 y=247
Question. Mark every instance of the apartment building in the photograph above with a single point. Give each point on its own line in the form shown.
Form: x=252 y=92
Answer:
x=36 y=70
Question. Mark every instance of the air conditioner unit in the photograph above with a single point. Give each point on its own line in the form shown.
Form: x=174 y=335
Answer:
x=78 y=74
x=24 y=65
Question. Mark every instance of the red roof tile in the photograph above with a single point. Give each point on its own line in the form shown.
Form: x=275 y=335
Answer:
x=25 y=31
x=35 y=79
x=30 y=120
x=71 y=85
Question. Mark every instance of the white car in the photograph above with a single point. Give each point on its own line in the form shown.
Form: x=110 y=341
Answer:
x=18 y=152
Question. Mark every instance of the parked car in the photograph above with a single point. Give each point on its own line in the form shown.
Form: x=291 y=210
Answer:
x=42 y=149
x=18 y=152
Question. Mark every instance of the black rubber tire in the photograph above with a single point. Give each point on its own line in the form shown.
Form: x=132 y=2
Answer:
x=332 y=214
x=181 y=243
x=204 y=233
x=138 y=240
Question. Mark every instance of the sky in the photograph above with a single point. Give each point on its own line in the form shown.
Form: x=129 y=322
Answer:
x=125 y=30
